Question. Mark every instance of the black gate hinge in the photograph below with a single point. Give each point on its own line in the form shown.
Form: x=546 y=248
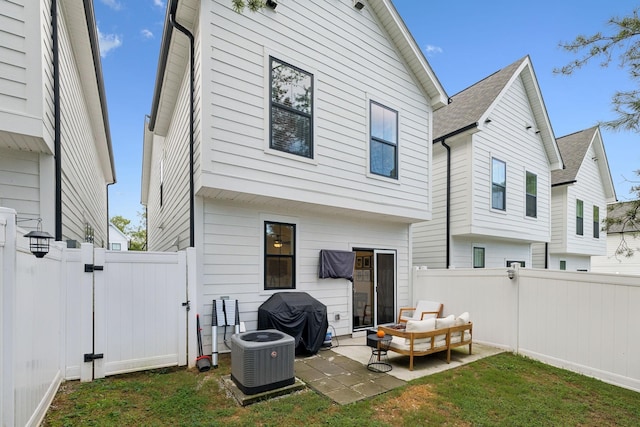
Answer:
x=187 y=305
x=90 y=357
x=90 y=268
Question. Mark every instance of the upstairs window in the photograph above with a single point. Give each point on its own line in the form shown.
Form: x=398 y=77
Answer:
x=579 y=217
x=532 y=195
x=563 y=265
x=498 y=184
x=279 y=255
x=384 y=141
x=291 y=109
x=596 y=222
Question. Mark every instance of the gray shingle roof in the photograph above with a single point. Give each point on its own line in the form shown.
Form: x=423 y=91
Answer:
x=468 y=106
x=573 y=148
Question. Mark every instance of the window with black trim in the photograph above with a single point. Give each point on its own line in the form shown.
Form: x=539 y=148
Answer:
x=478 y=257
x=596 y=222
x=532 y=195
x=279 y=255
x=498 y=184
x=383 y=127
x=579 y=217
x=563 y=265
x=291 y=109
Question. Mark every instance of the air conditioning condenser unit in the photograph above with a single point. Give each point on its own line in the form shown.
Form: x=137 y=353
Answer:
x=262 y=360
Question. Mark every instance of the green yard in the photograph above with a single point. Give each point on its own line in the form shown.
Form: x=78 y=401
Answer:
x=500 y=390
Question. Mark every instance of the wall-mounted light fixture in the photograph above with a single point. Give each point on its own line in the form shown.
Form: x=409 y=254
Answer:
x=358 y=4
x=511 y=273
x=272 y=4
x=528 y=127
x=487 y=121
x=38 y=239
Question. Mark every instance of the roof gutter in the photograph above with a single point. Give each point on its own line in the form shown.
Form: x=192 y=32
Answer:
x=56 y=120
x=442 y=140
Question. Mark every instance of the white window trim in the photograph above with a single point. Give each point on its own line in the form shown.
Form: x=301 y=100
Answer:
x=300 y=63
x=506 y=186
x=385 y=102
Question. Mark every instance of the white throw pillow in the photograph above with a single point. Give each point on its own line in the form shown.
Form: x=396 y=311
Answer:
x=463 y=319
x=420 y=326
x=443 y=323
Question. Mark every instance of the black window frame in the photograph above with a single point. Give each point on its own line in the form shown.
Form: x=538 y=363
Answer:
x=290 y=109
x=531 y=204
x=480 y=250
x=377 y=140
x=279 y=257
x=579 y=217
x=495 y=185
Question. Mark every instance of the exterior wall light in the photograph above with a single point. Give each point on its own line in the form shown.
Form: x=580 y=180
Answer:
x=511 y=273
x=38 y=239
x=358 y=4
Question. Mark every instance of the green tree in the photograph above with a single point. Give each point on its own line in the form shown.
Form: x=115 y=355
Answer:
x=622 y=45
x=138 y=234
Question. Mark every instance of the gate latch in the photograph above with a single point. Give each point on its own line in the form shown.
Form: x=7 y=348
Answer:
x=90 y=268
x=187 y=305
x=90 y=357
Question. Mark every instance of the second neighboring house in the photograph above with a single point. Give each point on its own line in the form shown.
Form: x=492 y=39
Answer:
x=118 y=241
x=623 y=236
x=580 y=194
x=56 y=158
x=494 y=151
x=311 y=131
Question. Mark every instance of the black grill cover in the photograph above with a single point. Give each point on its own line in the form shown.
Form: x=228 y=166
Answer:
x=297 y=314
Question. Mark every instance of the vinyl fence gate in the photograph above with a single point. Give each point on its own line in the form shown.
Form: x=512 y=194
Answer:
x=132 y=311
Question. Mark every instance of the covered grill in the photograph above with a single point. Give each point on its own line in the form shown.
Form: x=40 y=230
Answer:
x=297 y=314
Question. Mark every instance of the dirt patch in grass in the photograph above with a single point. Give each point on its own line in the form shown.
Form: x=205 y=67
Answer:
x=416 y=398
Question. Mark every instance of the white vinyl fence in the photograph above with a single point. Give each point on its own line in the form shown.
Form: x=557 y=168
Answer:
x=84 y=314
x=584 y=322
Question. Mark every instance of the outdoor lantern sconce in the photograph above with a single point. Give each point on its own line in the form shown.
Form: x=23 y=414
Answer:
x=38 y=239
x=358 y=4
x=511 y=273
x=272 y=4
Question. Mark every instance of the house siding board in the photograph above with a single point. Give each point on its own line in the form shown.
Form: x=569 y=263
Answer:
x=344 y=74
x=589 y=189
x=13 y=51
x=171 y=220
x=232 y=256
x=497 y=253
x=618 y=264
x=507 y=139
x=19 y=183
x=83 y=180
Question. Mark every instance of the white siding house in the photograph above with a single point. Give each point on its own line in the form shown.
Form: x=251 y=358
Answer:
x=580 y=194
x=493 y=151
x=312 y=130
x=52 y=100
x=118 y=241
x=623 y=242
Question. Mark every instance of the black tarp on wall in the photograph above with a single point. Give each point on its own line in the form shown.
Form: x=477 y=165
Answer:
x=297 y=314
x=336 y=264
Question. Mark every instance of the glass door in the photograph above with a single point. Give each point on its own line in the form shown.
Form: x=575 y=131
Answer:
x=374 y=288
x=385 y=280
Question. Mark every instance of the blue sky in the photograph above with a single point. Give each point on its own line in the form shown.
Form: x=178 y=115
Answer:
x=464 y=42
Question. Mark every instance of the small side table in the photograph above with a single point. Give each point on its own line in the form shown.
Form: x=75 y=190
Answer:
x=379 y=362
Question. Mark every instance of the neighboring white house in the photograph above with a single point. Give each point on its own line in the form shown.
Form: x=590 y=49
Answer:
x=624 y=236
x=580 y=193
x=118 y=241
x=312 y=130
x=493 y=153
x=52 y=101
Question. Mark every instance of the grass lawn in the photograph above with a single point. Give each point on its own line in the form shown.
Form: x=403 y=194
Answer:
x=500 y=390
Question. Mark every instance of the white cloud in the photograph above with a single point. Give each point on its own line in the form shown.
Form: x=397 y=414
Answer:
x=113 y=4
x=159 y=3
x=108 y=42
x=431 y=50
x=146 y=33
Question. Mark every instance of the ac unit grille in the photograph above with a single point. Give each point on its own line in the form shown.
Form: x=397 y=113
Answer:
x=262 y=360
